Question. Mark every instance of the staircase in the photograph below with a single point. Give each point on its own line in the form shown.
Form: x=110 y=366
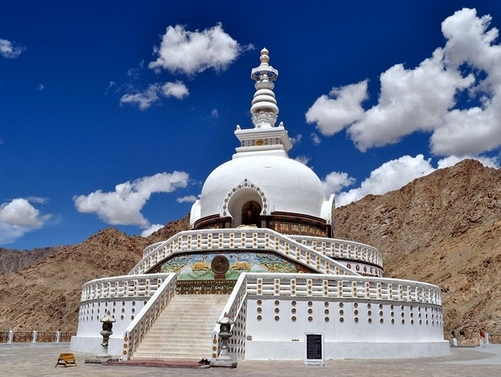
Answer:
x=184 y=329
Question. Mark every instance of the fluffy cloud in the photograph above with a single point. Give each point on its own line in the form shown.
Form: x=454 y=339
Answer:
x=9 y=50
x=339 y=109
x=426 y=98
x=123 y=206
x=19 y=217
x=188 y=52
x=144 y=99
x=334 y=182
x=185 y=52
x=390 y=176
x=152 y=229
x=187 y=199
x=175 y=89
x=151 y=95
x=315 y=139
x=410 y=100
x=303 y=159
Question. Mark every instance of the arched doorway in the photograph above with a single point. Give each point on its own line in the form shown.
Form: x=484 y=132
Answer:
x=250 y=213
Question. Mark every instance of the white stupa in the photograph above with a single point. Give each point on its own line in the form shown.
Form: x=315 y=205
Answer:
x=261 y=250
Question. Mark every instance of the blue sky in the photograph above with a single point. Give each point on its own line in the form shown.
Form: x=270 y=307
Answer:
x=113 y=113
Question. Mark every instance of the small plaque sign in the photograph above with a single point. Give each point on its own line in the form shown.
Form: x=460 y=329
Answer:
x=314 y=349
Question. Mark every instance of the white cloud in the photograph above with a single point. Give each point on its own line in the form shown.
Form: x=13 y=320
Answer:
x=123 y=206
x=144 y=99
x=188 y=52
x=152 y=95
x=19 y=217
x=469 y=131
x=187 y=199
x=453 y=160
x=315 y=138
x=391 y=175
x=175 y=89
x=41 y=87
x=296 y=139
x=410 y=101
x=334 y=182
x=9 y=50
x=20 y=212
x=214 y=113
x=37 y=199
x=152 y=229
x=303 y=159
x=454 y=95
x=341 y=108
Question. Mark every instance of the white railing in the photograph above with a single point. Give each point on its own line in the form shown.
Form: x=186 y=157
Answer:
x=34 y=336
x=147 y=316
x=342 y=249
x=151 y=247
x=259 y=239
x=343 y=287
x=117 y=287
x=233 y=308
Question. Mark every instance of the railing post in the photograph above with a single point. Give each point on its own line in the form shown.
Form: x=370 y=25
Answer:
x=35 y=333
x=58 y=336
x=11 y=337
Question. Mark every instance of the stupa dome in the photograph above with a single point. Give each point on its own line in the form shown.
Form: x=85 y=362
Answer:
x=277 y=183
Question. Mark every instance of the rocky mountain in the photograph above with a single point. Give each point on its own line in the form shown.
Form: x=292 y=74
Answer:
x=46 y=296
x=13 y=260
x=444 y=229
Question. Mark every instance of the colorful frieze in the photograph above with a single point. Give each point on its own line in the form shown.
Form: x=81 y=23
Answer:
x=227 y=266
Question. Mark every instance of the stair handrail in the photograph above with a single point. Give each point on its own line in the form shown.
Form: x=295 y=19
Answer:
x=136 y=330
x=232 y=310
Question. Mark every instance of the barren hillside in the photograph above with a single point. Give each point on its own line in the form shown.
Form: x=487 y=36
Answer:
x=46 y=296
x=444 y=229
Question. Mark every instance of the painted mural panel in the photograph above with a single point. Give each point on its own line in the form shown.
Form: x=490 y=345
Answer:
x=227 y=266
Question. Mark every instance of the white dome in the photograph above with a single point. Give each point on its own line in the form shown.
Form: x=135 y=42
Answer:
x=276 y=183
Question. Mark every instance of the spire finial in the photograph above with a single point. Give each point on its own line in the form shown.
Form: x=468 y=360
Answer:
x=264 y=107
x=265 y=59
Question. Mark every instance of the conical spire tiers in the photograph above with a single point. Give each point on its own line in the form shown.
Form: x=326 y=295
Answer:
x=264 y=107
x=265 y=139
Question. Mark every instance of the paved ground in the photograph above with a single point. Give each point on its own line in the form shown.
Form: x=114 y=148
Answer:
x=38 y=360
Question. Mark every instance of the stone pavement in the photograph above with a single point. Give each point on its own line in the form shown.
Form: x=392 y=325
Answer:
x=38 y=360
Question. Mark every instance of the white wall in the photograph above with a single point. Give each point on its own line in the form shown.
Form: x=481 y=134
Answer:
x=276 y=328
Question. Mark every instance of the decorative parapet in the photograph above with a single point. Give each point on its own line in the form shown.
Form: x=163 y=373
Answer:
x=151 y=247
x=119 y=287
x=342 y=249
x=343 y=287
x=259 y=239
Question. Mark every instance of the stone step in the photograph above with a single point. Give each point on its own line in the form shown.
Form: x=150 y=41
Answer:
x=186 y=352
x=183 y=330
x=177 y=339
